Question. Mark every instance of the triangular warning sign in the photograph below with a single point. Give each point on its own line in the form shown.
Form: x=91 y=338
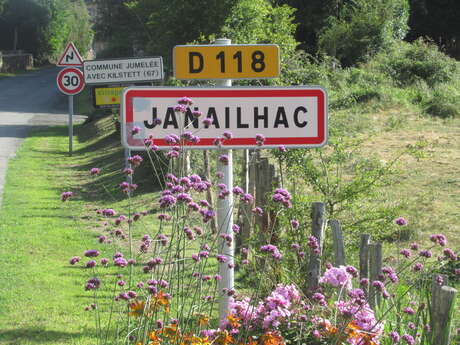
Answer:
x=71 y=57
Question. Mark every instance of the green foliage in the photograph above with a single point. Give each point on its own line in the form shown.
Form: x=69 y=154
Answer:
x=348 y=182
x=44 y=27
x=437 y=20
x=362 y=28
x=164 y=24
x=120 y=28
x=257 y=21
x=444 y=103
x=408 y=63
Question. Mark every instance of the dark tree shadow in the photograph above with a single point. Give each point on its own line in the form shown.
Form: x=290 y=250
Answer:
x=25 y=335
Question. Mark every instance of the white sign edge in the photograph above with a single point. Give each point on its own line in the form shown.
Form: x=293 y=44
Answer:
x=125 y=144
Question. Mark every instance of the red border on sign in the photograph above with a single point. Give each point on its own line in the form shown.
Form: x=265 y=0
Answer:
x=61 y=86
x=235 y=93
x=62 y=64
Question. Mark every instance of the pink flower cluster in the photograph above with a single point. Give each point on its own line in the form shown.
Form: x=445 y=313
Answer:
x=274 y=311
x=337 y=277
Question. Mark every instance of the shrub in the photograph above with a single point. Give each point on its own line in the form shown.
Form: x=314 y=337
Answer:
x=409 y=63
x=444 y=103
x=363 y=28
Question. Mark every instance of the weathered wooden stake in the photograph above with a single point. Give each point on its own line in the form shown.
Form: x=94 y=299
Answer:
x=247 y=218
x=209 y=196
x=265 y=173
x=317 y=229
x=337 y=238
x=375 y=266
x=364 y=259
x=442 y=310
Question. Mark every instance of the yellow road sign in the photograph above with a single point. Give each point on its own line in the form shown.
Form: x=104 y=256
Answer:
x=107 y=97
x=226 y=61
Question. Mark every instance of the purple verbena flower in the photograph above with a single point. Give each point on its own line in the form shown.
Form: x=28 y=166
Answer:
x=185 y=101
x=135 y=130
x=94 y=171
x=92 y=253
x=66 y=195
x=401 y=221
x=74 y=260
x=337 y=277
x=180 y=108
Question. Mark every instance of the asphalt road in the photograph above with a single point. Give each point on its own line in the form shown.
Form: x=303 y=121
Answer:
x=28 y=101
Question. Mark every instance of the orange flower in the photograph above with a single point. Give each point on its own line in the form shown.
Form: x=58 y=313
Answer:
x=358 y=335
x=202 y=319
x=156 y=340
x=233 y=321
x=171 y=331
x=200 y=341
x=160 y=299
x=271 y=338
x=223 y=338
x=191 y=339
x=137 y=308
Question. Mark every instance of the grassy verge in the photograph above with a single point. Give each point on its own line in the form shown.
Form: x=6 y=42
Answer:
x=38 y=298
x=42 y=298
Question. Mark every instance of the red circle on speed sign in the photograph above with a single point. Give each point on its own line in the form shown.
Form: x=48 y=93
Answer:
x=70 y=81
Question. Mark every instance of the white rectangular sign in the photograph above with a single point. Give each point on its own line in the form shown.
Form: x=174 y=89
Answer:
x=123 y=70
x=293 y=117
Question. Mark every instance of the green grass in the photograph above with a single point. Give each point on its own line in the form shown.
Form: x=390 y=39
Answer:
x=40 y=301
x=42 y=297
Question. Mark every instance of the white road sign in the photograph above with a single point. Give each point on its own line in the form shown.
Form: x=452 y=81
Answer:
x=70 y=81
x=70 y=57
x=123 y=70
x=294 y=117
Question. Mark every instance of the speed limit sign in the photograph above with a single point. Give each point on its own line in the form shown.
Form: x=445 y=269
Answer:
x=70 y=81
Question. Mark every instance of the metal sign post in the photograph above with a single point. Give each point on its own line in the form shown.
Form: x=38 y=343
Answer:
x=70 y=124
x=70 y=82
x=225 y=219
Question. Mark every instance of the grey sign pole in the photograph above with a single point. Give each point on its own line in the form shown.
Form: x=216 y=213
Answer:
x=225 y=219
x=70 y=124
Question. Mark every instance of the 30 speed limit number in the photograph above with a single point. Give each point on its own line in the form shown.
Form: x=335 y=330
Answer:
x=70 y=81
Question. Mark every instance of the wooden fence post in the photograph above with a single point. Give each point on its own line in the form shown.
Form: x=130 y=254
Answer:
x=364 y=259
x=317 y=230
x=265 y=180
x=245 y=214
x=442 y=310
x=375 y=266
x=339 y=248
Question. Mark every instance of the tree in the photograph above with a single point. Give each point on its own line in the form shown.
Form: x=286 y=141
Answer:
x=257 y=21
x=438 y=20
x=311 y=17
x=22 y=20
x=362 y=28
x=43 y=27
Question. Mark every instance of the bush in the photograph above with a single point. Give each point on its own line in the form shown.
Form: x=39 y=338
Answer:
x=363 y=28
x=443 y=104
x=408 y=63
